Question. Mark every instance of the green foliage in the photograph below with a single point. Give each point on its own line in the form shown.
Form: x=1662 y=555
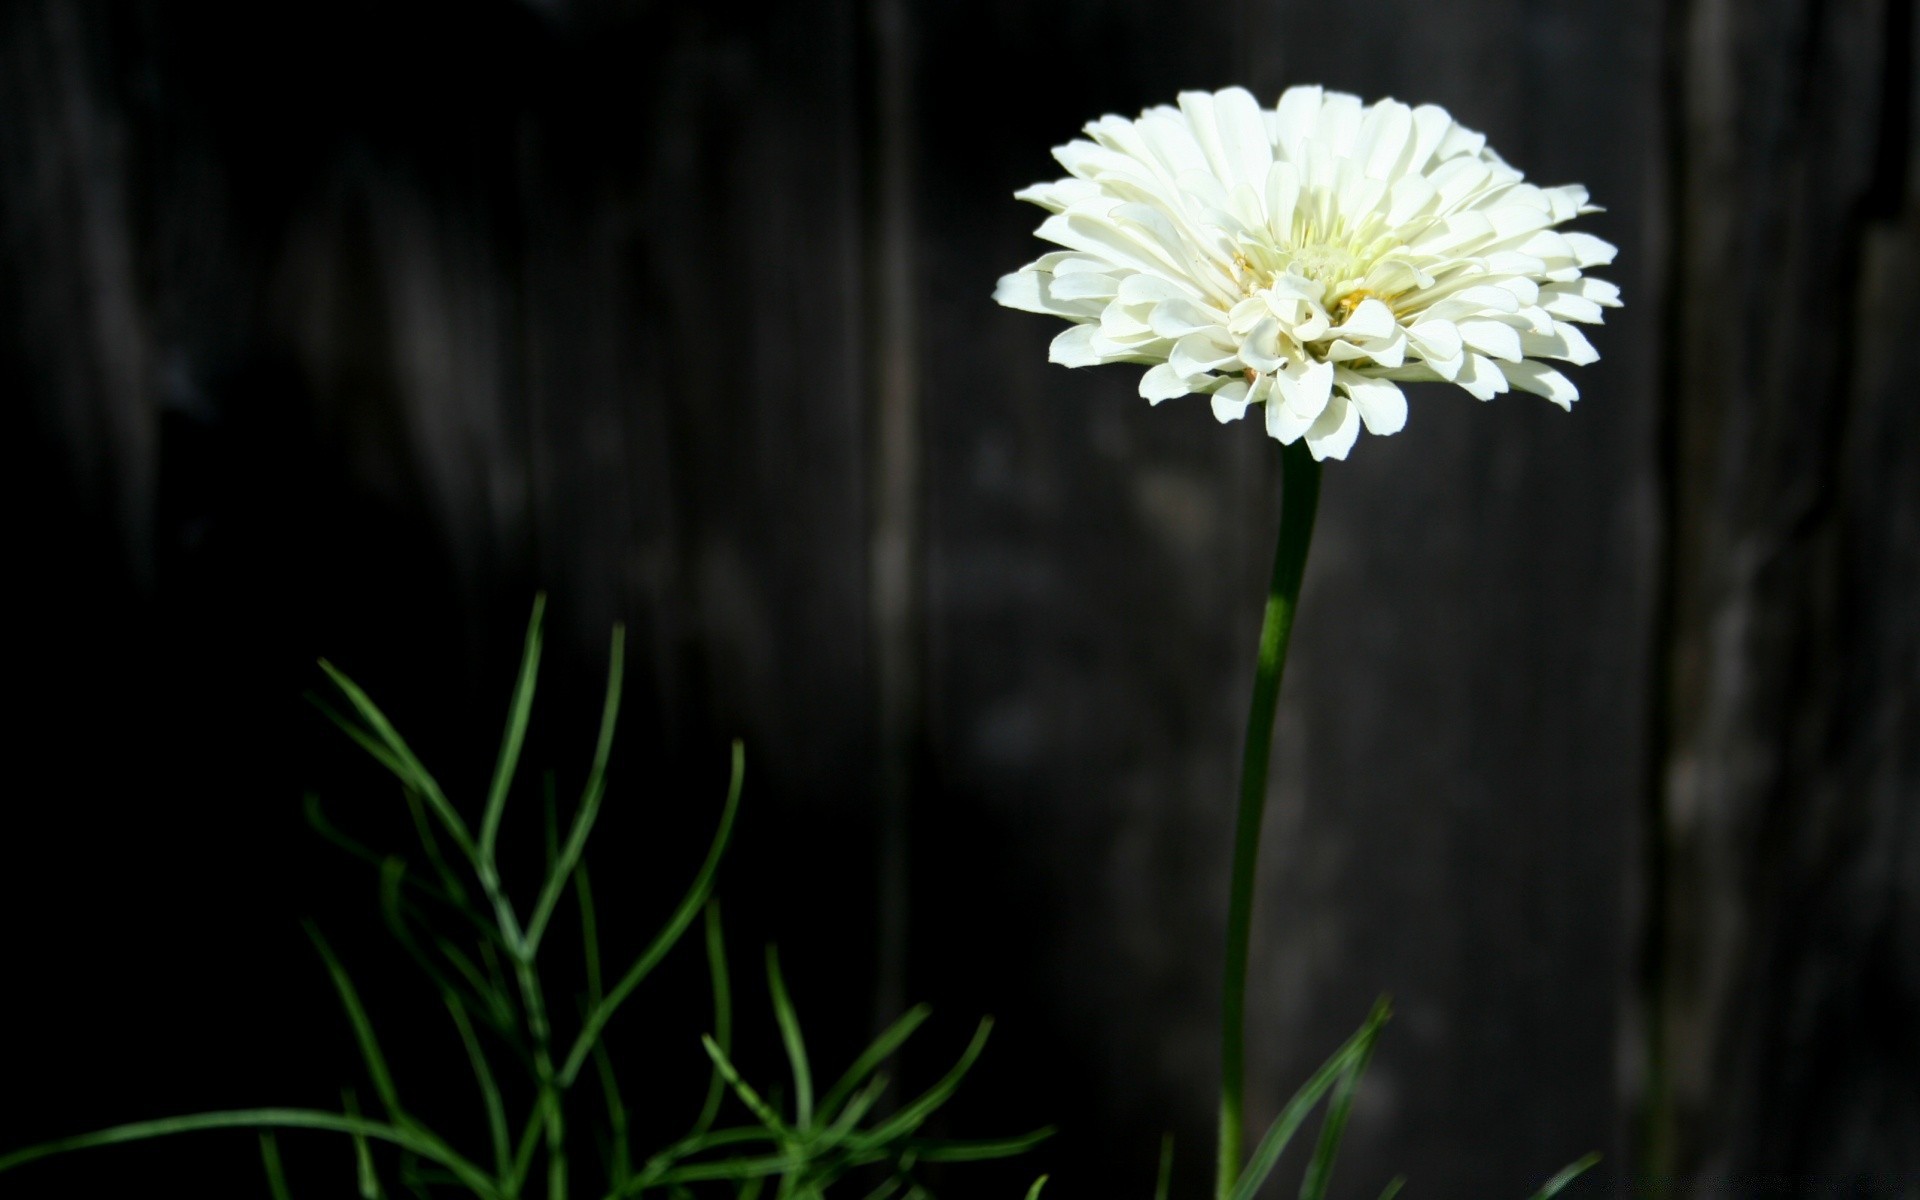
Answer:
x=494 y=988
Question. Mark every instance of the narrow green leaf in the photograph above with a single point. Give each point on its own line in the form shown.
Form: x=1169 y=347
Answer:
x=759 y=1107
x=1567 y=1175
x=419 y=1142
x=518 y=711
x=364 y=1176
x=796 y=1046
x=362 y=1029
x=978 y=1150
x=669 y=935
x=1163 y=1179
x=483 y=1076
x=856 y=1108
x=875 y=1054
x=276 y=1174
x=1393 y=1187
x=1033 y=1193
x=400 y=759
x=423 y=829
x=722 y=1013
x=1320 y=1169
x=910 y=1117
x=1267 y=1154
x=589 y=810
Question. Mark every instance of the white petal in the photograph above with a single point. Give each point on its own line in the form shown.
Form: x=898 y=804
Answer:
x=1382 y=405
x=1199 y=353
x=1074 y=347
x=1230 y=402
x=1542 y=380
x=1335 y=432
x=1162 y=382
x=1260 y=348
x=1178 y=317
x=1481 y=377
x=1371 y=319
x=1305 y=387
x=1492 y=337
x=1590 y=251
x=1298 y=111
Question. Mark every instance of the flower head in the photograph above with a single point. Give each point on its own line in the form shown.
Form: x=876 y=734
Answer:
x=1310 y=258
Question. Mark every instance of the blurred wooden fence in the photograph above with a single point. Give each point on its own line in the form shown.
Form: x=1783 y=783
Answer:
x=340 y=330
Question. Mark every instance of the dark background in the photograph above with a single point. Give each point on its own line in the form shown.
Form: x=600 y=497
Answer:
x=339 y=330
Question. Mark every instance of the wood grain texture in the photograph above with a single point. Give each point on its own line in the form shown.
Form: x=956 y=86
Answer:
x=342 y=332
x=1785 y=981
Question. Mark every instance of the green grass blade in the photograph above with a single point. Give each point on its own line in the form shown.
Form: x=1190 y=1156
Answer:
x=722 y=1014
x=913 y=1115
x=1033 y=1193
x=1163 y=1178
x=1320 y=1169
x=489 y=1088
x=663 y=941
x=875 y=1054
x=519 y=709
x=423 y=829
x=400 y=759
x=1567 y=1175
x=1267 y=1154
x=423 y=1144
x=1393 y=1187
x=362 y=1030
x=590 y=798
x=276 y=1174
x=367 y=1180
x=796 y=1046
x=981 y=1149
x=741 y=1088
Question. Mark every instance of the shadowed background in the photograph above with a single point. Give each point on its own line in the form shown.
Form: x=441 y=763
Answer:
x=340 y=331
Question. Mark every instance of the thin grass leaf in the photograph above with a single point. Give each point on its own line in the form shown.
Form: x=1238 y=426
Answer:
x=362 y=1030
x=1567 y=1175
x=276 y=1174
x=760 y=1108
x=364 y=1176
x=722 y=1013
x=891 y=1185
x=489 y=1089
x=910 y=1117
x=1393 y=1187
x=400 y=759
x=366 y=741
x=663 y=941
x=1267 y=1154
x=981 y=1149
x=395 y=910
x=1320 y=1169
x=590 y=797
x=870 y=1059
x=421 y=1143
x=796 y=1046
x=620 y=1155
x=317 y=818
x=858 y=1107
x=1033 y=1193
x=518 y=711
x=1163 y=1178
x=423 y=829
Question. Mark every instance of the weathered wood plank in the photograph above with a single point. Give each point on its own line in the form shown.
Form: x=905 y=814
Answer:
x=1788 y=954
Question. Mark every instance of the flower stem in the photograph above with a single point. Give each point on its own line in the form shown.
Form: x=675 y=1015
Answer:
x=1300 y=498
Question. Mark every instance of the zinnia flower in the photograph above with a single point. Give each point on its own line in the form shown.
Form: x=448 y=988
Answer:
x=1310 y=258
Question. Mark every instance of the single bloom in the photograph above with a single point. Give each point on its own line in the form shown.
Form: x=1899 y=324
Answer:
x=1310 y=258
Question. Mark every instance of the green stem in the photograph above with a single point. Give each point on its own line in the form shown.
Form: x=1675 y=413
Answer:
x=1300 y=497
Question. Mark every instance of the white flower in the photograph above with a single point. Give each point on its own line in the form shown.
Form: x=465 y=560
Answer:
x=1309 y=258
